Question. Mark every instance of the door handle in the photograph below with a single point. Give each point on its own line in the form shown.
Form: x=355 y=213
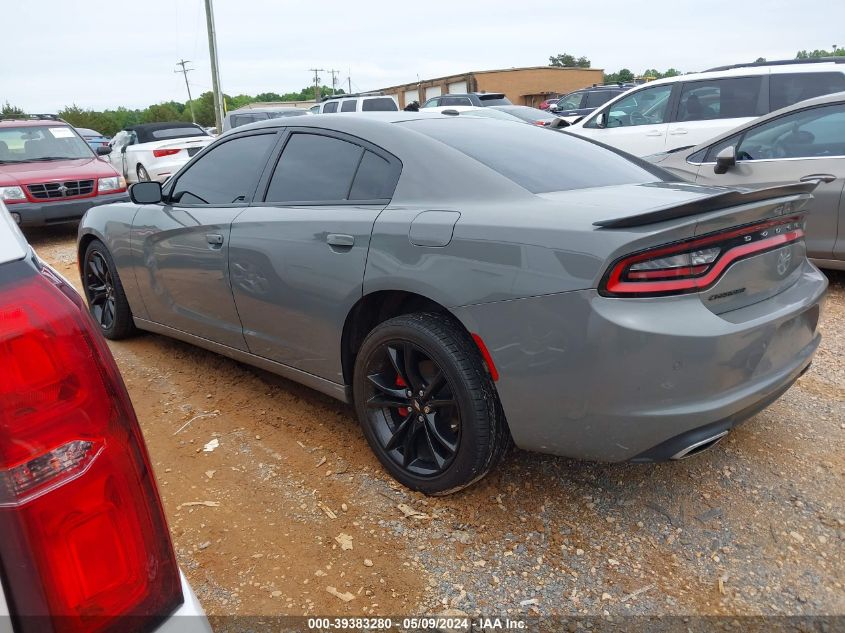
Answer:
x=819 y=177
x=678 y=131
x=654 y=133
x=340 y=239
x=214 y=239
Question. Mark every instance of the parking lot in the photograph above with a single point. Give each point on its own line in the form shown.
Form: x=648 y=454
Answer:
x=277 y=505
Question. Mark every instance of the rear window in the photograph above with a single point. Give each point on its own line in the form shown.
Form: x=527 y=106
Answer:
x=238 y=120
x=784 y=90
x=494 y=99
x=381 y=104
x=537 y=159
x=729 y=98
x=177 y=132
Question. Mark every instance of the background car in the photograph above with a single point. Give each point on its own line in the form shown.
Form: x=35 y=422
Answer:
x=93 y=138
x=237 y=118
x=49 y=174
x=805 y=141
x=689 y=109
x=85 y=542
x=547 y=103
x=476 y=99
x=359 y=103
x=576 y=104
x=155 y=151
x=463 y=295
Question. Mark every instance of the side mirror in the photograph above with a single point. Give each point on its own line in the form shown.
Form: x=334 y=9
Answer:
x=725 y=160
x=145 y=192
x=103 y=150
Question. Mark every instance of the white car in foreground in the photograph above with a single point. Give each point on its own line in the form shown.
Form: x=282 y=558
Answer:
x=155 y=151
x=85 y=546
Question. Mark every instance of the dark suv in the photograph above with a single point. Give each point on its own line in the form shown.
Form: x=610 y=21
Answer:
x=477 y=99
x=581 y=102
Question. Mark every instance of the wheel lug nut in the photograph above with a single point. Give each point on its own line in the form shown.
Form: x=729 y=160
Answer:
x=421 y=418
x=422 y=393
x=409 y=393
x=427 y=409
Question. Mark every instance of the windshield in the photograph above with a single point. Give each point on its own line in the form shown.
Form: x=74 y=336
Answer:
x=41 y=142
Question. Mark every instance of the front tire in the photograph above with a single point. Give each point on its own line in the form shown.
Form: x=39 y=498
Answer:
x=104 y=292
x=143 y=176
x=427 y=405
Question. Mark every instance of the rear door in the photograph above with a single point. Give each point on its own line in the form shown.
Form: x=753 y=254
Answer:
x=297 y=259
x=801 y=144
x=709 y=108
x=182 y=245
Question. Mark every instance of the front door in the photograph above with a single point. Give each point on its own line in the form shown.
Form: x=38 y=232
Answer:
x=297 y=260
x=183 y=244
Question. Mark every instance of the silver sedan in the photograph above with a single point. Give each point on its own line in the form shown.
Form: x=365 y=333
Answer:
x=805 y=141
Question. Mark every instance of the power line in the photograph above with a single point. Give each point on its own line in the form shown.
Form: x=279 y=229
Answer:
x=334 y=73
x=317 y=82
x=185 y=72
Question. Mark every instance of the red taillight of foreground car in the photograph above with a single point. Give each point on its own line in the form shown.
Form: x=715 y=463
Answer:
x=84 y=544
x=159 y=153
x=693 y=265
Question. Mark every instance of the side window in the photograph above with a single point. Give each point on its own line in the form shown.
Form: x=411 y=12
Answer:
x=348 y=105
x=786 y=89
x=813 y=133
x=227 y=174
x=713 y=150
x=330 y=107
x=571 y=102
x=599 y=97
x=720 y=99
x=644 y=107
x=375 y=179
x=432 y=103
x=314 y=168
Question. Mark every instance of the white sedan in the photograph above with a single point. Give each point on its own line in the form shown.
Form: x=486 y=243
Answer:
x=155 y=151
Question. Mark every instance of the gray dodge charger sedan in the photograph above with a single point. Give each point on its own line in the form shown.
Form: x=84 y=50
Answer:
x=470 y=282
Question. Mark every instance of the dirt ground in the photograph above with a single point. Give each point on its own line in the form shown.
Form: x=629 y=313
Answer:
x=291 y=513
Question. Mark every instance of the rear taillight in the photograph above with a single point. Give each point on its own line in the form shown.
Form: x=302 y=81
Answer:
x=694 y=265
x=158 y=153
x=84 y=544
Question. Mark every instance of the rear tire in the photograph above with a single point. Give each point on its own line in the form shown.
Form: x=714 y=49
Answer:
x=104 y=293
x=427 y=404
x=143 y=176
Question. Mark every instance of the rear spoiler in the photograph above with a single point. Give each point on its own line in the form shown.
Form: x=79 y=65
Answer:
x=716 y=202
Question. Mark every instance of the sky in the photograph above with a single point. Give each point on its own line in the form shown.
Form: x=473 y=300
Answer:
x=103 y=54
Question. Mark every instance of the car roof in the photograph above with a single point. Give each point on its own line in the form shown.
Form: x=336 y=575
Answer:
x=836 y=97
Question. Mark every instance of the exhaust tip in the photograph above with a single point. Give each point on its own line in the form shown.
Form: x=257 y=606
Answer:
x=699 y=447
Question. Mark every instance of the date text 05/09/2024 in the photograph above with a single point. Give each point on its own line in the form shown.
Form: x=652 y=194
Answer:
x=416 y=623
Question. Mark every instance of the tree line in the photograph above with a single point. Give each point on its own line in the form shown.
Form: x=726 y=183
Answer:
x=109 y=122
x=626 y=75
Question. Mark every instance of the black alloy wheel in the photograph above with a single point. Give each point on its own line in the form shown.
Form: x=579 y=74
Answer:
x=412 y=409
x=104 y=292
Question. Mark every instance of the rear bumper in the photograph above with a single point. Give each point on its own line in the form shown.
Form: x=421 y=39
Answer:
x=58 y=211
x=606 y=379
x=163 y=169
x=189 y=618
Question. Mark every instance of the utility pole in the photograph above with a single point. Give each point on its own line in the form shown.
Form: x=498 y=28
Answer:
x=349 y=79
x=334 y=73
x=215 y=67
x=185 y=72
x=317 y=82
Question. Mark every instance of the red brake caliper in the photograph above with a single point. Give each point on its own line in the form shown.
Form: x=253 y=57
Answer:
x=403 y=411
